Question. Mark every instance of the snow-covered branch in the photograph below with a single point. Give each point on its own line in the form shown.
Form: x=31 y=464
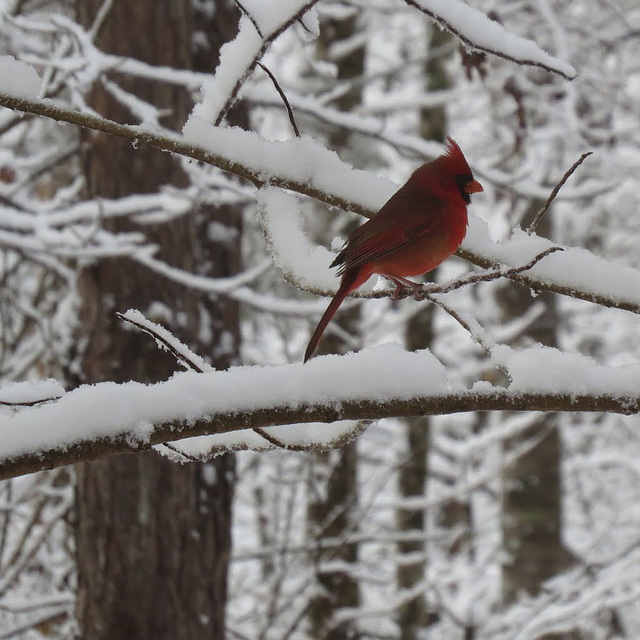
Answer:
x=104 y=419
x=257 y=29
x=304 y=166
x=308 y=168
x=476 y=30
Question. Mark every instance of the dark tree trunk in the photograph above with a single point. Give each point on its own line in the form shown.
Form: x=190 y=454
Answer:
x=330 y=517
x=330 y=511
x=153 y=537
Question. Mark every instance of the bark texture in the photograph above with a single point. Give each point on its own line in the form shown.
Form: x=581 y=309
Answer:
x=153 y=537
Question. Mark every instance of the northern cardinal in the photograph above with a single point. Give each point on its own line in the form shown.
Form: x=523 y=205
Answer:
x=421 y=225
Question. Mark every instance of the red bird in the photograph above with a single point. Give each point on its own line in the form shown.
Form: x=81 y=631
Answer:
x=420 y=226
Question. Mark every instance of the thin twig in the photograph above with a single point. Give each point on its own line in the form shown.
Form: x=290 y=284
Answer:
x=345 y=438
x=284 y=98
x=190 y=360
x=479 y=335
x=480 y=339
x=554 y=193
x=29 y=403
x=266 y=42
x=187 y=456
x=492 y=275
x=182 y=357
x=300 y=21
x=271 y=440
x=100 y=18
x=420 y=293
x=253 y=20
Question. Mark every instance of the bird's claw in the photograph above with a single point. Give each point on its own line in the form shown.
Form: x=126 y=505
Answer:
x=416 y=291
x=419 y=293
x=400 y=292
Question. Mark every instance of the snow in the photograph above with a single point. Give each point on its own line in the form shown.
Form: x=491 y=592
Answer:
x=238 y=56
x=28 y=392
x=235 y=59
x=292 y=253
x=270 y=20
x=545 y=369
x=316 y=435
x=186 y=357
x=19 y=79
x=477 y=30
x=302 y=160
x=107 y=409
x=232 y=284
x=377 y=374
x=574 y=267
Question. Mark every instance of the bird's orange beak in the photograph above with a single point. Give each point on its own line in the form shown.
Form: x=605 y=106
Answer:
x=473 y=187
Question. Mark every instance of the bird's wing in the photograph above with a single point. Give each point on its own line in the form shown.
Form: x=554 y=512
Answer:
x=402 y=220
x=382 y=244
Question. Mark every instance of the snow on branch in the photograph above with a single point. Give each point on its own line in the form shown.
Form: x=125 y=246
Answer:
x=215 y=286
x=573 y=272
x=305 y=166
x=19 y=79
x=27 y=394
x=207 y=444
x=476 y=30
x=300 y=263
x=569 y=271
x=411 y=145
x=166 y=341
x=258 y=27
x=108 y=418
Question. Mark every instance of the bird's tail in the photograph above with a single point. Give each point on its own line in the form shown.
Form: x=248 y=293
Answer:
x=348 y=284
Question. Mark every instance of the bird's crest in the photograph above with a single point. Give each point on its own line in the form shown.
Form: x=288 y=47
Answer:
x=454 y=159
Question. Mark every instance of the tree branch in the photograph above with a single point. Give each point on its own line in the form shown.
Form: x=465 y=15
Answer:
x=497 y=399
x=250 y=16
x=541 y=59
x=266 y=42
x=536 y=284
x=136 y=136
x=185 y=357
x=282 y=94
x=426 y=290
x=556 y=190
x=173 y=144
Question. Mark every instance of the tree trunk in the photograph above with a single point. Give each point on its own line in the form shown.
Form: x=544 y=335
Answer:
x=329 y=511
x=153 y=537
x=329 y=515
x=532 y=521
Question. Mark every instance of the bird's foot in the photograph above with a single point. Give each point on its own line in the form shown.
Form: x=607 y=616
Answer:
x=406 y=288
x=419 y=292
x=400 y=292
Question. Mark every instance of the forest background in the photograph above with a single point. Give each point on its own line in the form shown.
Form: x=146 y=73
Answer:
x=174 y=176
